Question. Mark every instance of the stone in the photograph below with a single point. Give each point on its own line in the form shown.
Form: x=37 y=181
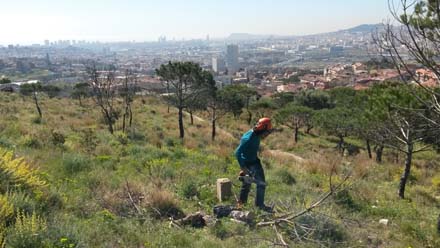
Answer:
x=245 y=216
x=384 y=222
x=224 y=189
x=196 y=220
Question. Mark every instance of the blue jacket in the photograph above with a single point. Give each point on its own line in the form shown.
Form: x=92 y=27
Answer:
x=246 y=152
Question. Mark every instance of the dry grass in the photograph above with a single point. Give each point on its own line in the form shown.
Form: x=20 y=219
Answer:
x=163 y=204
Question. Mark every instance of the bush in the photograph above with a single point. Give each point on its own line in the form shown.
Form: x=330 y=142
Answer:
x=344 y=198
x=162 y=204
x=5 y=143
x=189 y=189
x=22 y=202
x=285 y=177
x=58 y=138
x=31 y=142
x=31 y=230
x=6 y=210
x=219 y=230
x=121 y=137
x=74 y=163
x=325 y=230
x=28 y=231
x=36 y=120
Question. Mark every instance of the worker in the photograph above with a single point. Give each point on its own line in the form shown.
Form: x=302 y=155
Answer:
x=250 y=164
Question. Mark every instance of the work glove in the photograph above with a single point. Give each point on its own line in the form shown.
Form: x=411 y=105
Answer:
x=243 y=172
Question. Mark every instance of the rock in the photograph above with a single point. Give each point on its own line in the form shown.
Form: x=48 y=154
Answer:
x=222 y=210
x=196 y=220
x=244 y=216
x=224 y=189
x=384 y=222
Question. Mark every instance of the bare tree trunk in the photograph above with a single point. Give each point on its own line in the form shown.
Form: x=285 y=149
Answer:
x=406 y=172
x=124 y=117
x=308 y=129
x=181 y=130
x=213 y=132
x=191 y=117
x=130 y=121
x=341 y=144
x=296 y=133
x=249 y=120
x=379 y=151
x=37 y=105
x=369 y=149
x=109 y=121
x=79 y=99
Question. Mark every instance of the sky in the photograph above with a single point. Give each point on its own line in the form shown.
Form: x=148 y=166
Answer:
x=33 y=21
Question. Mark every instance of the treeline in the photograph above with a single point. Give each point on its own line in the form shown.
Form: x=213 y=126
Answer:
x=391 y=115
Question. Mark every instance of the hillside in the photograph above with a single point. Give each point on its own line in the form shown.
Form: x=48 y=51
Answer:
x=83 y=187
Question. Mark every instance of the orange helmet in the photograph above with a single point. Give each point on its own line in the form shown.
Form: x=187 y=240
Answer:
x=263 y=124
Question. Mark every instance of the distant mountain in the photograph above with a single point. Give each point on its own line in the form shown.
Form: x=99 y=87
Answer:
x=364 y=28
x=246 y=36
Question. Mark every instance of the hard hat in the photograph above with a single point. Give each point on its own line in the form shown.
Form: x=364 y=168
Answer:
x=263 y=124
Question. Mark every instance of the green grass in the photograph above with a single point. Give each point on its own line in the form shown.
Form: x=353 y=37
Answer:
x=90 y=175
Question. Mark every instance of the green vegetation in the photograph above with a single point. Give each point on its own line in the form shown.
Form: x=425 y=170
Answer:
x=67 y=182
x=4 y=80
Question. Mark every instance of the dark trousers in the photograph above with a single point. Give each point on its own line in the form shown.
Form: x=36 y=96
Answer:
x=257 y=171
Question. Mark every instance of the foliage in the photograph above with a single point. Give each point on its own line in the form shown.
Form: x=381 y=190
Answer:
x=15 y=173
x=314 y=99
x=185 y=81
x=295 y=117
x=6 y=211
x=28 y=231
x=189 y=189
x=74 y=163
x=4 y=80
x=286 y=177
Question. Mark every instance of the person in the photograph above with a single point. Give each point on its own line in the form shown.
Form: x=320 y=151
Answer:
x=246 y=154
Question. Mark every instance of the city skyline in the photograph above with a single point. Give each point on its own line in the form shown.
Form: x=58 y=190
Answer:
x=138 y=20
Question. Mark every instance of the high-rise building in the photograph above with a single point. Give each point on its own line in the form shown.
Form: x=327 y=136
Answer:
x=47 y=43
x=218 y=65
x=232 y=59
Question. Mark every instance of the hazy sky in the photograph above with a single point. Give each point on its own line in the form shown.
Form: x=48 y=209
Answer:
x=32 y=21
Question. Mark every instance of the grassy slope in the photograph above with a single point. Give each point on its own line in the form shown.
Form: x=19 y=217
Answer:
x=93 y=171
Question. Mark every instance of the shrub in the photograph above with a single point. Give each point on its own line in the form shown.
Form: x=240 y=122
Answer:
x=22 y=202
x=344 y=198
x=436 y=182
x=15 y=173
x=325 y=231
x=5 y=143
x=30 y=141
x=219 y=230
x=28 y=231
x=73 y=163
x=121 y=137
x=285 y=177
x=189 y=189
x=36 y=120
x=6 y=210
x=162 y=204
x=58 y=138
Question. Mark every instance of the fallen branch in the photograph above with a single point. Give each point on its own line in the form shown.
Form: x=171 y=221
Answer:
x=290 y=216
x=131 y=198
x=280 y=236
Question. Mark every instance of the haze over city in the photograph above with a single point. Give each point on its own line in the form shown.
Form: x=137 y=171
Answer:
x=32 y=21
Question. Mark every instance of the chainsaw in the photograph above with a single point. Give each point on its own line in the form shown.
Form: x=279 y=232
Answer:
x=249 y=179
